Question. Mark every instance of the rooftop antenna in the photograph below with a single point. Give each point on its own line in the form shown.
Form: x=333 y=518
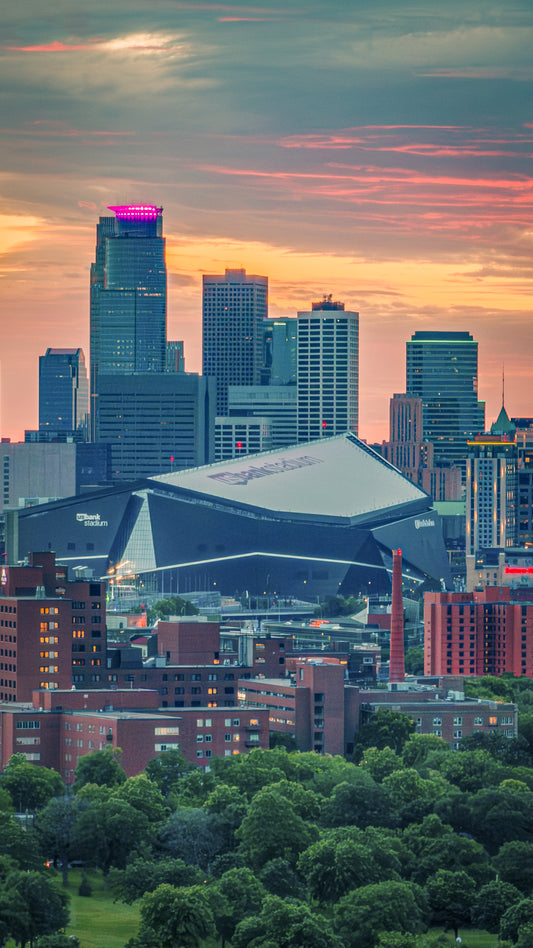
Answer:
x=503 y=385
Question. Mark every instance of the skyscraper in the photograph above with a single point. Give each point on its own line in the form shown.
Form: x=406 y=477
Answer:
x=442 y=371
x=128 y=294
x=234 y=307
x=327 y=371
x=63 y=391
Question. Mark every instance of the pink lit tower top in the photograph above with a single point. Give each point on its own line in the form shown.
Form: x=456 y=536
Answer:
x=397 y=657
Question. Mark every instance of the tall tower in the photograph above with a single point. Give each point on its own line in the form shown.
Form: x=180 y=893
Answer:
x=234 y=307
x=128 y=294
x=491 y=492
x=442 y=371
x=397 y=654
x=63 y=391
x=327 y=370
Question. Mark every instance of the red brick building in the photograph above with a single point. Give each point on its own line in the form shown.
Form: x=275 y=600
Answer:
x=485 y=632
x=52 y=631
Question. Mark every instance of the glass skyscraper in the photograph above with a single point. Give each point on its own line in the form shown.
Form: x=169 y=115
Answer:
x=63 y=391
x=128 y=293
x=442 y=370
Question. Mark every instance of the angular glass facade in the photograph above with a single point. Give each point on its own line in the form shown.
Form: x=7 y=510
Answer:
x=442 y=370
x=63 y=391
x=128 y=294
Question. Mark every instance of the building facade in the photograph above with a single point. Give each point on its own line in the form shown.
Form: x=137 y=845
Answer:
x=442 y=370
x=491 y=494
x=484 y=632
x=128 y=294
x=63 y=391
x=327 y=371
x=155 y=423
x=234 y=307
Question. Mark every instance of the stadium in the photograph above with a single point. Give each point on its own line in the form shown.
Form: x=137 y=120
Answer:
x=303 y=522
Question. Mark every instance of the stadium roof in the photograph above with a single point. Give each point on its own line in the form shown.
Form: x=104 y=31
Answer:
x=338 y=476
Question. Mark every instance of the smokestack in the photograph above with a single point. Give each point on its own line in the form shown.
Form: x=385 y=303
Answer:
x=397 y=658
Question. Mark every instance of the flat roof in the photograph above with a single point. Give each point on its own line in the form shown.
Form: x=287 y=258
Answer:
x=338 y=476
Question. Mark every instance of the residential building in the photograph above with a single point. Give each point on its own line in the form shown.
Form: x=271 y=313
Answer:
x=484 y=632
x=327 y=371
x=234 y=307
x=491 y=493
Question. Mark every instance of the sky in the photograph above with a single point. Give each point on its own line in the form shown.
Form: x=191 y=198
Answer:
x=372 y=149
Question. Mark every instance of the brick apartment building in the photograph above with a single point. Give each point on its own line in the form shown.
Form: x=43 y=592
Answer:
x=52 y=631
x=485 y=632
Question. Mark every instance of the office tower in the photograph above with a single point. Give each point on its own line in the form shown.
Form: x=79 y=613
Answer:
x=63 y=391
x=240 y=436
x=491 y=493
x=413 y=456
x=234 y=307
x=156 y=423
x=327 y=370
x=279 y=351
x=277 y=403
x=442 y=371
x=128 y=294
x=175 y=356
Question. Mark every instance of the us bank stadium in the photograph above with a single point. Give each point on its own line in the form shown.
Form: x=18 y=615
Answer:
x=303 y=522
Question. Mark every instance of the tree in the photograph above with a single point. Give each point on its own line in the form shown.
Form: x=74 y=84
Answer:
x=414 y=660
x=284 y=923
x=46 y=904
x=491 y=903
x=145 y=875
x=272 y=828
x=380 y=763
x=514 y=864
x=167 y=770
x=517 y=916
x=175 y=918
x=55 y=826
x=19 y=844
x=385 y=729
x=434 y=845
x=101 y=768
x=417 y=749
x=332 y=867
x=451 y=896
x=360 y=916
x=57 y=940
x=361 y=802
x=499 y=816
x=30 y=787
x=279 y=878
x=236 y=895
x=173 y=606
x=145 y=796
x=109 y=833
x=194 y=835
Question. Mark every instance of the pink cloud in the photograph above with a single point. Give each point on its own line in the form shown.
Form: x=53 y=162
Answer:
x=55 y=47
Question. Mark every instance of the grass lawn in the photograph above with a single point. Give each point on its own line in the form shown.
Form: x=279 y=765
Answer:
x=98 y=921
x=472 y=937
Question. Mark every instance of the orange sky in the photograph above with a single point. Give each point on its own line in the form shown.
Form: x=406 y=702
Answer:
x=382 y=155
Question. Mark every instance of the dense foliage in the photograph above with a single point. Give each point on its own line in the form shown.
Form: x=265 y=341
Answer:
x=278 y=850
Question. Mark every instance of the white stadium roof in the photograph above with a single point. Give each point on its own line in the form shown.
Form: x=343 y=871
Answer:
x=337 y=476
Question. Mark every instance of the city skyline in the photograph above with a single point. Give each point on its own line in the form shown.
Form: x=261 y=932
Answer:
x=381 y=155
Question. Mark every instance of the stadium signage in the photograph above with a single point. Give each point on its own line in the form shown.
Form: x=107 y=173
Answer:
x=241 y=478
x=424 y=523
x=91 y=520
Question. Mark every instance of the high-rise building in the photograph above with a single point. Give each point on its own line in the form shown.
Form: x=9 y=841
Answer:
x=155 y=423
x=128 y=294
x=442 y=370
x=63 y=391
x=234 y=307
x=279 y=351
x=491 y=493
x=175 y=356
x=327 y=370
